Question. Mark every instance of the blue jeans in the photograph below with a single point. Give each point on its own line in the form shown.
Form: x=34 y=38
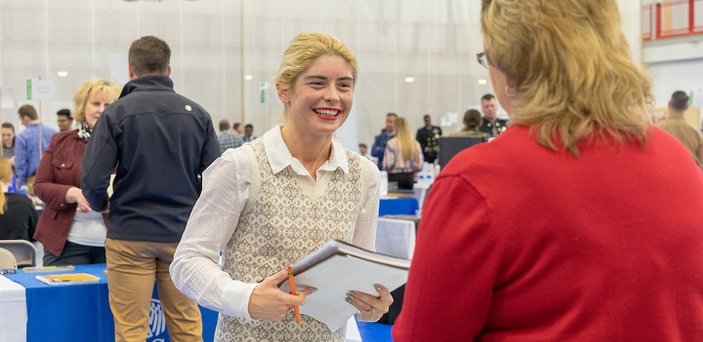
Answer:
x=75 y=254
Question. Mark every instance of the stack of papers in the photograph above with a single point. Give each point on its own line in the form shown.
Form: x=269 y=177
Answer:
x=337 y=268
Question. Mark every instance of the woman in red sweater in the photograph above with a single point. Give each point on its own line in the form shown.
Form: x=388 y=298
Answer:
x=70 y=231
x=581 y=222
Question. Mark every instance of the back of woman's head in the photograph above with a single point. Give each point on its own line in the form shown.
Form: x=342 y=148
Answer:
x=5 y=177
x=304 y=49
x=570 y=66
x=472 y=119
x=403 y=134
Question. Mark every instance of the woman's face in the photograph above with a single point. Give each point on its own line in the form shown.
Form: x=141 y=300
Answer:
x=94 y=106
x=321 y=97
x=7 y=136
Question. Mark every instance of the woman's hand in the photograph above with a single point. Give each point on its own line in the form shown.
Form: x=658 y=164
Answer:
x=75 y=195
x=371 y=308
x=268 y=302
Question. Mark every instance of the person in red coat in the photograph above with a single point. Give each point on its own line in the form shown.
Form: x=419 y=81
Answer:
x=582 y=221
x=70 y=231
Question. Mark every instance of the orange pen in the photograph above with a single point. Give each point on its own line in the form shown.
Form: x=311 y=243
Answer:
x=291 y=283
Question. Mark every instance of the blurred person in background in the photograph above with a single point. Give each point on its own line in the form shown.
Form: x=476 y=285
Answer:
x=403 y=156
x=472 y=121
x=580 y=222
x=677 y=126
x=7 y=133
x=248 y=133
x=227 y=138
x=31 y=144
x=64 y=120
x=237 y=129
x=427 y=137
x=379 y=144
x=18 y=217
x=72 y=233
x=491 y=125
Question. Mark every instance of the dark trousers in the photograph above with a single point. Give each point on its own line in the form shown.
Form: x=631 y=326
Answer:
x=402 y=181
x=75 y=254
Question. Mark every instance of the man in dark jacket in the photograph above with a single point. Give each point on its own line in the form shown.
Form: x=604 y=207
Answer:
x=428 y=137
x=158 y=143
x=378 y=149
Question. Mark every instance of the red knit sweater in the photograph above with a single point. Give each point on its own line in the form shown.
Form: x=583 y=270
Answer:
x=518 y=242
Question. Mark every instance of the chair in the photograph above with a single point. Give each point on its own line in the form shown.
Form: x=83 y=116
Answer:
x=7 y=260
x=24 y=251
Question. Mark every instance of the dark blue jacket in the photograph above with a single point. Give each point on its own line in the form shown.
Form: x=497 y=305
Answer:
x=378 y=149
x=158 y=143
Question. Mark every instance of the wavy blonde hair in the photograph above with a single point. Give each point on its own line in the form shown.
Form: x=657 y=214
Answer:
x=5 y=177
x=406 y=142
x=304 y=49
x=570 y=64
x=92 y=86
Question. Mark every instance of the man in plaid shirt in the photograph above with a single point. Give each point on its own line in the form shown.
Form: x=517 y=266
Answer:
x=226 y=138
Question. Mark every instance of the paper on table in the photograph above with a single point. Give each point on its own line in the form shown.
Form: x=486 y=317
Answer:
x=68 y=278
x=336 y=276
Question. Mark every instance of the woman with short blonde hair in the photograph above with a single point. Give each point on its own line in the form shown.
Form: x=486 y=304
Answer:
x=70 y=231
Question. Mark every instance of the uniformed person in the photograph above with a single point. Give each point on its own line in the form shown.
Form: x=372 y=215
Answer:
x=428 y=137
x=491 y=123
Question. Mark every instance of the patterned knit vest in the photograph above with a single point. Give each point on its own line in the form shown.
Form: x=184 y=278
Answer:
x=282 y=225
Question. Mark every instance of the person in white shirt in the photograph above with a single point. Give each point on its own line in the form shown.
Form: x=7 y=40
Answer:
x=278 y=198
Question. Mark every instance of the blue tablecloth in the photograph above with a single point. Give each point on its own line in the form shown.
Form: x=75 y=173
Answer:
x=398 y=206
x=80 y=312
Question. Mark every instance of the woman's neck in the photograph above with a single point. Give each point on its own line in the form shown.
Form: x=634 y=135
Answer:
x=311 y=150
x=4 y=186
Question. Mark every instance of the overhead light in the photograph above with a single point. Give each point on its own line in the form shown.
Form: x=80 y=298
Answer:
x=409 y=79
x=62 y=73
x=248 y=77
x=482 y=81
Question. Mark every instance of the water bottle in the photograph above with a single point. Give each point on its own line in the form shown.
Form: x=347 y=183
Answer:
x=383 y=183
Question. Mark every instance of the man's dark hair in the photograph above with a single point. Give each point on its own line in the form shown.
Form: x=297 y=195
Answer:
x=149 y=55
x=363 y=145
x=224 y=125
x=487 y=97
x=679 y=101
x=236 y=126
x=29 y=111
x=426 y=116
x=392 y=114
x=64 y=112
x=249 y=126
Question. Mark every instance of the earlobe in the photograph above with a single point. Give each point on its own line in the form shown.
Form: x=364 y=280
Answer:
x=132 y=75
x=282 y=93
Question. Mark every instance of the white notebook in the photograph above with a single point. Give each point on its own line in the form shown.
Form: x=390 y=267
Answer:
x=337 y=268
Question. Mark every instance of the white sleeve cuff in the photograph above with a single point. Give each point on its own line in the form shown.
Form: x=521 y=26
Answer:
x=235 y=298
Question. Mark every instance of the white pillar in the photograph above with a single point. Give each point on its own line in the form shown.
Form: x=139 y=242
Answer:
x=631 y=21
